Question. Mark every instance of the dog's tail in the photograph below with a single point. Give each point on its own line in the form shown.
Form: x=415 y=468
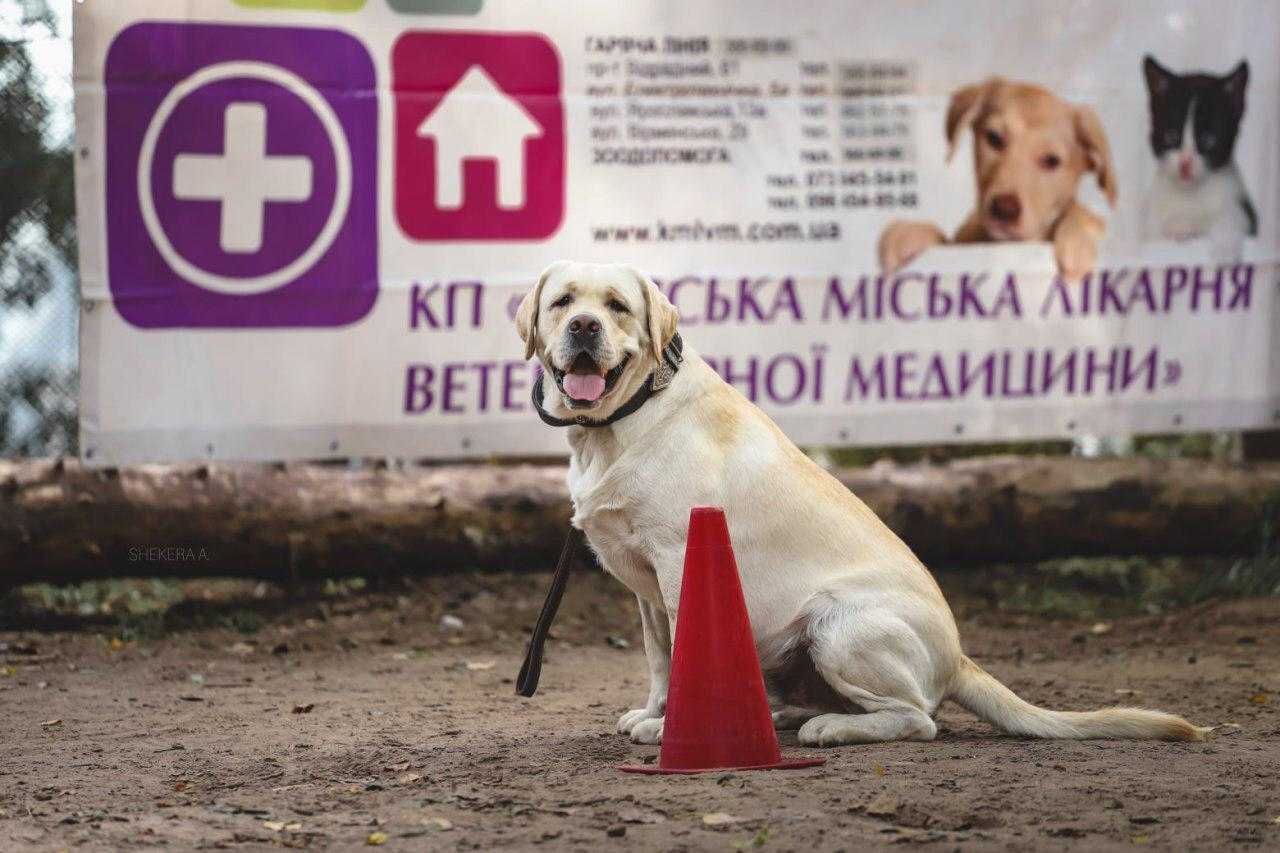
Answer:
x=978 y=691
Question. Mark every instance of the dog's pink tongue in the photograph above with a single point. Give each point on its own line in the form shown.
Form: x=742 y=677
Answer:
x=583 y=386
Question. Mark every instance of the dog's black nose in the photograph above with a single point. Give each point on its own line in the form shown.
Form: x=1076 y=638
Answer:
x=584 y=327
x=1006 y=208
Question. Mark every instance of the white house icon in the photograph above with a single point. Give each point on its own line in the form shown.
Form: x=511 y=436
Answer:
x=476 y=120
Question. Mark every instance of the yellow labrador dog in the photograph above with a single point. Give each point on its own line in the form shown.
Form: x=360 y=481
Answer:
x=1030 y=149
x=857 y=642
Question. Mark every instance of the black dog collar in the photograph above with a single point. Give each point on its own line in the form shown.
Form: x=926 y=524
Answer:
x=672 y=357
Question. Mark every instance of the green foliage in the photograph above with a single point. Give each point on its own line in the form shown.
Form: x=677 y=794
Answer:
x=144 y=608
x=1078 y=587
x=1103 y=587
x=105 y=597
x=36 y=174
x=1252 y=576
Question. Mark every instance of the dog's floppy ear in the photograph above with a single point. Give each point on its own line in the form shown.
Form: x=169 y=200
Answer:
x=527 y=313
x=1096 y=150
x=661 y=315
x=965 y=105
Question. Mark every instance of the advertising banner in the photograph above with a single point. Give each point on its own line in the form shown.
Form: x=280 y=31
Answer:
x=305 y=225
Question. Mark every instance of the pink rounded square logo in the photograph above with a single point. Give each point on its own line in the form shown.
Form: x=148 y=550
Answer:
x=480 y=143
x=240 y=176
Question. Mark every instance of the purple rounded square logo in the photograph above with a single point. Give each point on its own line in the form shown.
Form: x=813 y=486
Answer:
x=241 y=176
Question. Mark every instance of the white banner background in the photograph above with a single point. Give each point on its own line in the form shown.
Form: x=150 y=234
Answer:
x=769 y=95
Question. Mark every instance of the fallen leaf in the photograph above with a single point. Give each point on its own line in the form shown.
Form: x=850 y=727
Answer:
x=273 y=825
x=879 y=769
x=8 y=671
x=241 y=648
x=1140 y=839
x=1259 y=698
x=882 y=806
x=304 y=709
x=50 y=724
x=480 y=665
x=440 y=823
x=718 y=819
x=376 y=839
x=293 y=827
x=116 y=644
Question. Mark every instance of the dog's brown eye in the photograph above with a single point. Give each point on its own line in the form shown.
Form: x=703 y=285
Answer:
x=562 y=301
x=619 y=306
x=1049 y=162
x=995 y=140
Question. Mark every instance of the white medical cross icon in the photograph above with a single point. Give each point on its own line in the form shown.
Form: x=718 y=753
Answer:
x=243 y=178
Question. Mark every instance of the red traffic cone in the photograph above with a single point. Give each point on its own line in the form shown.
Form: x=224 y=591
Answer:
x=717 y=715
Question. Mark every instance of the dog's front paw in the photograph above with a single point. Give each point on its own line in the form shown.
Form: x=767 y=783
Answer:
x=902 y=242
x=1076 y=254
x=648 y=731
x=628 y=721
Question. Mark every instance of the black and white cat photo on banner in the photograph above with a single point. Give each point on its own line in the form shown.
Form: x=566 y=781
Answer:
x=1198 y=190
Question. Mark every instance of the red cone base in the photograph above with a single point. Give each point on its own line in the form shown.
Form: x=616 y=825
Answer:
x=717 y=715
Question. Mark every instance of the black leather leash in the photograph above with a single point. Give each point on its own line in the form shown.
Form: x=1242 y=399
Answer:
x=527 y=680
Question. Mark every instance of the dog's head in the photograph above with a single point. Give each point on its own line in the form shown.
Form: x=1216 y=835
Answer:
x=599 y=330
x=1030 y=149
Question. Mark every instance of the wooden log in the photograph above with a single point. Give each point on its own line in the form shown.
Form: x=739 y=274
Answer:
x=62 y=522
x=1018 y=509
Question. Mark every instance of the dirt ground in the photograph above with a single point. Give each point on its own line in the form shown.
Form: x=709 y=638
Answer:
x=345 y=721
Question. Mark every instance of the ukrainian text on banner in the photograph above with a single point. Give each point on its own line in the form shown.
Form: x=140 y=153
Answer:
x=305 y=227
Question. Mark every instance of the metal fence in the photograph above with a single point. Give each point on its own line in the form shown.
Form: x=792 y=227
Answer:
x=39 y=299
x=39 y=373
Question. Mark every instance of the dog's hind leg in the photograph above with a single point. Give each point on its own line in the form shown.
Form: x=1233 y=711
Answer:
x=790 y=717
x=877 y=662
x=891 y=723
